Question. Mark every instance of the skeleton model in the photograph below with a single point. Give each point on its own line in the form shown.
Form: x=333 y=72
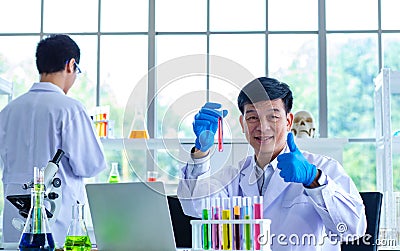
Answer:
x=303 y=125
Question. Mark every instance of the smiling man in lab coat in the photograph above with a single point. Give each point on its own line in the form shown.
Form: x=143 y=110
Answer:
x=36 y=124
x=305 y=195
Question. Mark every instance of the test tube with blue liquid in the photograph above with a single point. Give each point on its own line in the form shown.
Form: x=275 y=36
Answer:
x=206 y=233
x=226 y=227
x=216 y=215
x=247 y=215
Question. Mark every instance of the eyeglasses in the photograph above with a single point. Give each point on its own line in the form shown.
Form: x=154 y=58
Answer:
x=78 y=70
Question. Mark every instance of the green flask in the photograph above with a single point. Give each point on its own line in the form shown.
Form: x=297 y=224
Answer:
x=77 y=237
x=114 y=174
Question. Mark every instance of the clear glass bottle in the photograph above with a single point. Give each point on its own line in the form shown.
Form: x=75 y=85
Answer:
x=37 y=234
x=114 y=174
x=77 y=236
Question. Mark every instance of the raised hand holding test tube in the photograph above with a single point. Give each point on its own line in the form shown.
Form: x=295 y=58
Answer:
x=205 y=125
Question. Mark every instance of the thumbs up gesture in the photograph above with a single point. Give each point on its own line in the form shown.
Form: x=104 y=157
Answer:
x=294 y=167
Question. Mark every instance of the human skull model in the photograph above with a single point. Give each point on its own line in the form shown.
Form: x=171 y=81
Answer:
x=303 y=125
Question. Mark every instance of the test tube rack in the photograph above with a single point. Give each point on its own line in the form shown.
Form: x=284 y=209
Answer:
x=101 y=120
x=264 y=237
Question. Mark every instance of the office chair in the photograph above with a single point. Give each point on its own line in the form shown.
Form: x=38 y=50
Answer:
x=180 y=223
x=372 y=203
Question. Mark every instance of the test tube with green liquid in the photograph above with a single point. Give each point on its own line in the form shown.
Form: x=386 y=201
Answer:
x=38 y=187
x=226 y=227
x=246 y=215
x=205 y=227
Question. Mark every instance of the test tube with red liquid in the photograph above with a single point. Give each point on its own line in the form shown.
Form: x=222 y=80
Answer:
x=220 y=135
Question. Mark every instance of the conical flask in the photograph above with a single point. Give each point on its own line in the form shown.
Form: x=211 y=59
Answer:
x=37 y=235
x=114 y=174
x=77 y=236
x=138 y=126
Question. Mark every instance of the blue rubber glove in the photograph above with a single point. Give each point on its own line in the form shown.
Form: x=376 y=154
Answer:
x=205 y=125
x=294 y=167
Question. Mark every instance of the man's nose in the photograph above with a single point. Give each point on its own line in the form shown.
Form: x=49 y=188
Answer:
x=265 y=124
x=302 y=122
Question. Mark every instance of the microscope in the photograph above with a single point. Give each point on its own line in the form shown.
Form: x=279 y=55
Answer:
x=52 y=196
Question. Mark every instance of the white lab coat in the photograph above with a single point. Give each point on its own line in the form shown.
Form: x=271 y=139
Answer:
x=32 y=128
x=296 y=213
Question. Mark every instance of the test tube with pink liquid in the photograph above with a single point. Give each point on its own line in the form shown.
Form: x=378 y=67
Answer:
x=258 y=214
x=215 y=228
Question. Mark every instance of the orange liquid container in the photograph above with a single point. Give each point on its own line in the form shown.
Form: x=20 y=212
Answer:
x=139 y=134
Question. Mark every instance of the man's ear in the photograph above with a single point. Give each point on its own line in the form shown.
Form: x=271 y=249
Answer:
x=70 y=66
x=289 y=119
x=241 y=118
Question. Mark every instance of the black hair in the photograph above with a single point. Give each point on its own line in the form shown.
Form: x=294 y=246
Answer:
x=261 y=89
x=54 y=52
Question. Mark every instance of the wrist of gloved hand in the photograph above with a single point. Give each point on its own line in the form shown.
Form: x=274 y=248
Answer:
x=315 y=182
x=204 y=141
x=311 y=174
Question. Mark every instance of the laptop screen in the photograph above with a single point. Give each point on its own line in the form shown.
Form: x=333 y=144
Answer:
x=130 y=216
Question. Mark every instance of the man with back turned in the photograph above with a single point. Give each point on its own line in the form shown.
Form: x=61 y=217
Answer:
x=44 y=119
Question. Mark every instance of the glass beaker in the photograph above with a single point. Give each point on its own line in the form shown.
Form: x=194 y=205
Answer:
x=77 y=236
x=152 y=176
x=114 y=174
x=37 y=235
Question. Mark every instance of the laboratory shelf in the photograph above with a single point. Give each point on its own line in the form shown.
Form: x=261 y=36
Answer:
x=234 y=149
x=141 y=144
x=309 y=144
x=153 y=144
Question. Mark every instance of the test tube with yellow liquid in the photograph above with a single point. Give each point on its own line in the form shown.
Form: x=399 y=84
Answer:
x=226 y=228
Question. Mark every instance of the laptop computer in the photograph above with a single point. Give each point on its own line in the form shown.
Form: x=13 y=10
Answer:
x=130 y=216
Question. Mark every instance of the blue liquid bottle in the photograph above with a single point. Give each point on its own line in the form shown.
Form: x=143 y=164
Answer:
x=37 y=235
